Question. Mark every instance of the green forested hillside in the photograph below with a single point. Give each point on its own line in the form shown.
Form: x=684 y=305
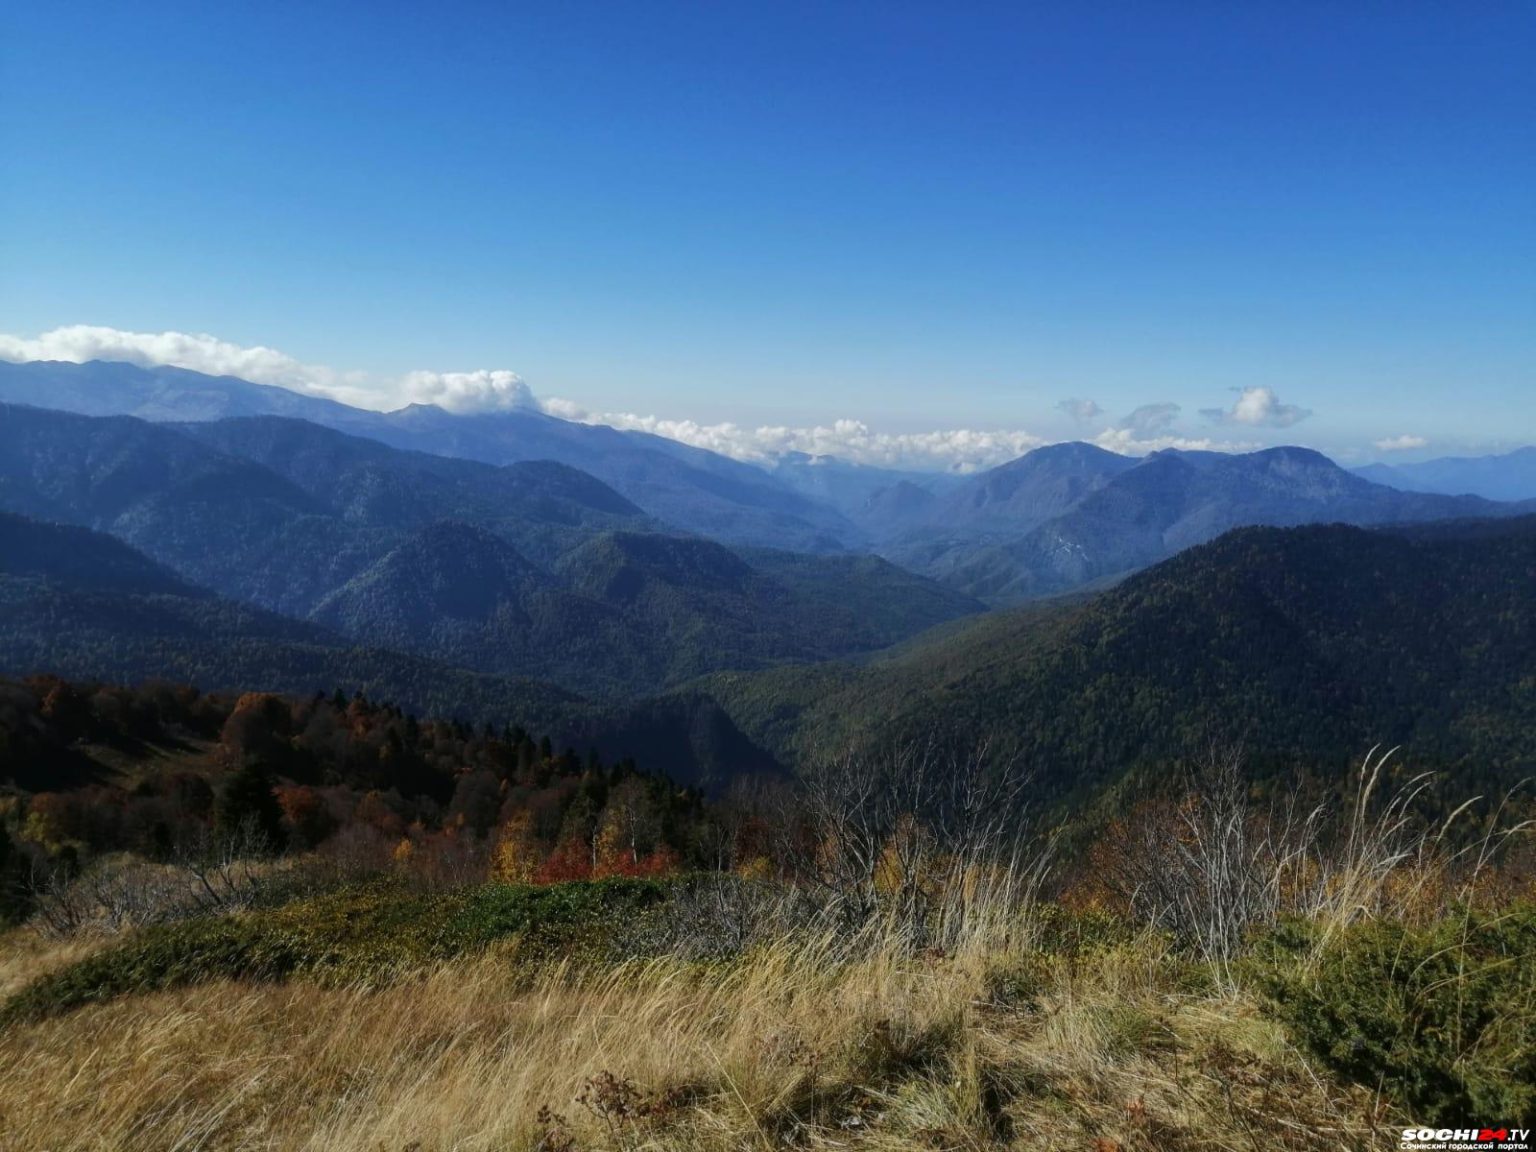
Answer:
x=627 y=612
x=78 y=604
x=82 y=557
x=216 y=645
x=1309 y=645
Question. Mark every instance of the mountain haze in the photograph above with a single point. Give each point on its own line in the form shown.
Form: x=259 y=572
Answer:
x=1511 y=476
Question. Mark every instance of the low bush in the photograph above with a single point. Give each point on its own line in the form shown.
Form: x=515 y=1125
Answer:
x=368 y=933
x=572 y=918
x=1442 y=1019
x=164 y=956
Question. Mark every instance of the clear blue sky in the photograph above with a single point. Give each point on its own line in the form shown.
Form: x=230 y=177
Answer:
x=920 y=215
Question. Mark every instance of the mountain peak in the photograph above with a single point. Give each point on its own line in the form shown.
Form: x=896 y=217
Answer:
x=447 y=570
x=623 y=566
x=82 y=558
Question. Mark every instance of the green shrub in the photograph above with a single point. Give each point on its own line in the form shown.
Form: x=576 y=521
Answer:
x=1441 y=1018
x=1069 y=932
x=567 y=918
x=164 y=956
x=367 y=933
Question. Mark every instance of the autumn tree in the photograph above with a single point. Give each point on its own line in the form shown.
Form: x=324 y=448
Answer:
x=518 y=851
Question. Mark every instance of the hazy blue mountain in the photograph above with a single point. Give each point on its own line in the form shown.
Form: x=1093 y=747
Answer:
x=1511 y=476
x=544 y=507
x=224 y=522
x=890 y=510
x=532 y=569
x=81 y=558
x=283 y=513
x=1040 y=485
x=1133 y=514
x=849 y=487
x=687 y=487
x=280 y=512
x=113 y=388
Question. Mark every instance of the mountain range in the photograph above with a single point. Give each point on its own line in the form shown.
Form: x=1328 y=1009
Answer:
x=531 y=569
x=1070 y=515
x=82 y=605
x=1062 y=517
x=1511 y=476
x=689 y=488
x=1271 y=596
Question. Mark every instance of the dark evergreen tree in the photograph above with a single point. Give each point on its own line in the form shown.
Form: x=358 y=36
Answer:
x=248 y=801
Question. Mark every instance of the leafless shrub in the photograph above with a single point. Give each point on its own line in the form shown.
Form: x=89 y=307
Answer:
x=719 y=915
x=229 y=870
x=1217 y=863
x=923 y=837
x=208 y=872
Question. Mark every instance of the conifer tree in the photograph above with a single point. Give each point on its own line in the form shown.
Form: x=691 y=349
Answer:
x=248 y=800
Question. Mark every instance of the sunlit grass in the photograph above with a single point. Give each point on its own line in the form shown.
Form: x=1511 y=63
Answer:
x=796 y=1044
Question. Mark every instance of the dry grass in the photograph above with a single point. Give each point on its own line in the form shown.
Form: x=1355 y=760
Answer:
x=794 y=1046
x=27 y=954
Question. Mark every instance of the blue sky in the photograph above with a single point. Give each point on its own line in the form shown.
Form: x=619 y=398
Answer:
x=919 y=216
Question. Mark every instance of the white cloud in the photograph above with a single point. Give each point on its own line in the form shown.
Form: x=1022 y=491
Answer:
x=482 y=391
x=1150 y=421
x=954 y=449
x=1081 y=411
x=485 y=390
x=1403 y=443
x=1128 y=443
x=1150 y=428
x=200 y=353
x=1258 y=408
x=1147 y=429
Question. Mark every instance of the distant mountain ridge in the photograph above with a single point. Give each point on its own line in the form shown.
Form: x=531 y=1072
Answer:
x=1511 y=476
x=1059 y=518
x=531 y=569
x=1078 y=515
x=689 y=488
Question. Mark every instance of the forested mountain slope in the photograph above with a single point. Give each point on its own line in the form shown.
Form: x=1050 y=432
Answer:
x=1309 y=645
x=93 y=609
